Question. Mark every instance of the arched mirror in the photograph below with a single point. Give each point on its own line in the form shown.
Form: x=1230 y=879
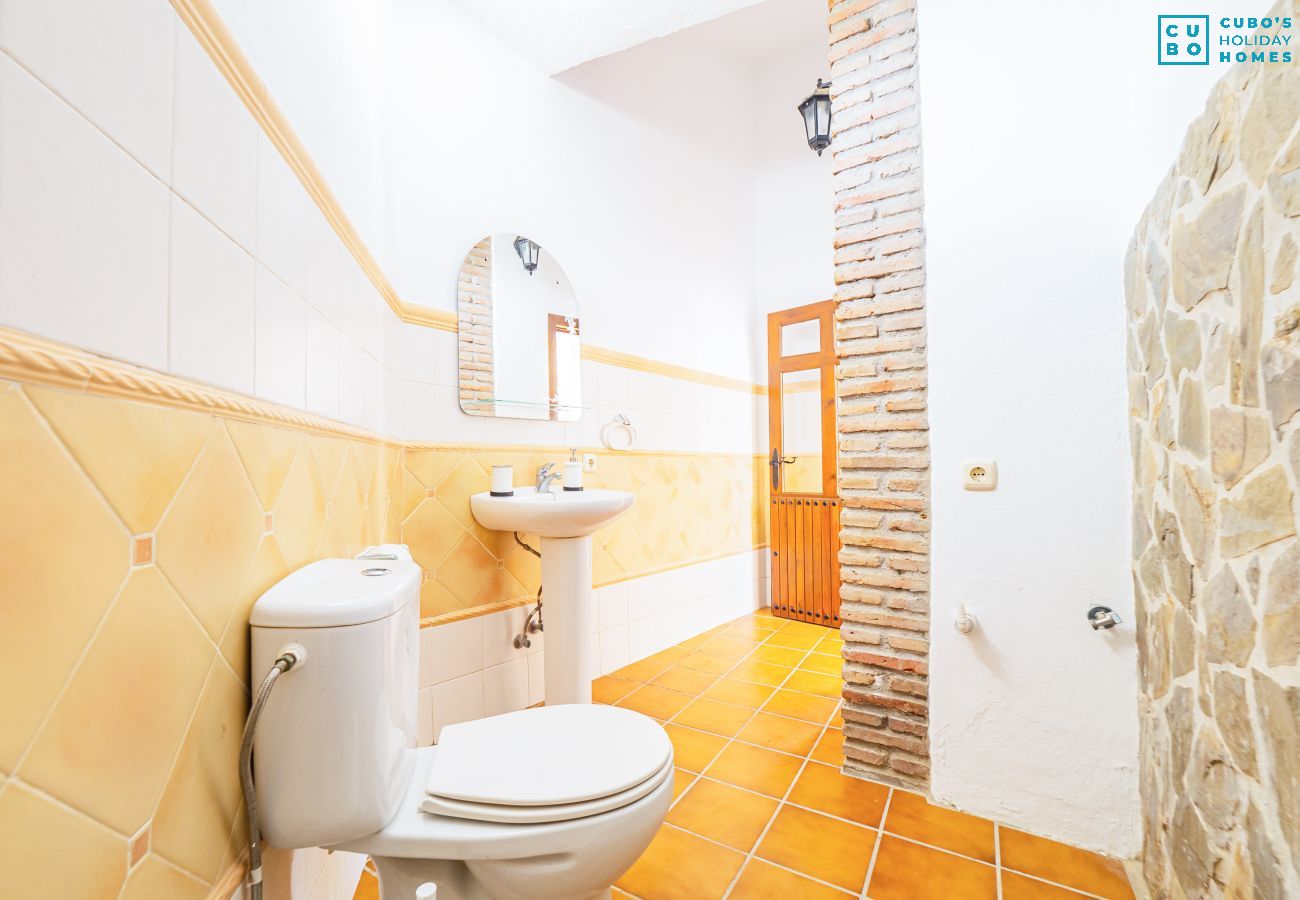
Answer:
x=520 y=351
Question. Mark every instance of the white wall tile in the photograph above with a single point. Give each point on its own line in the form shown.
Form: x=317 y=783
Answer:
x=324 y=344
x=450 y=651
x=458 y=700
x=611 y=385
x=214 y=155
x=111 y=61
x=83 y=227
x=354 y=399
x=545 y=433
x=424 y=714
x=536 y=678
x=505 y=431
x=449 y=423
x=499 y=630
x=280 y=342
x=611 y=606
x=420 y=413
x=282 y=204
x=613 y=649
x=211 y=304
x=339 y=876
x=505 y=687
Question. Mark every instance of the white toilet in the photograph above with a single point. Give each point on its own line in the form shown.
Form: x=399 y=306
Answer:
x=554 y=802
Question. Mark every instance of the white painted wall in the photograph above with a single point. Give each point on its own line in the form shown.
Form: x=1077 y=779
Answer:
x=794 y=196
x=1037 y=165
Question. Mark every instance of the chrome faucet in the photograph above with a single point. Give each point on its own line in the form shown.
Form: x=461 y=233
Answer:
x=545 y=476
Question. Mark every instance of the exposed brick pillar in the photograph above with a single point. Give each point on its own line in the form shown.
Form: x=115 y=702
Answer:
x=883 y=431
x=474 y=320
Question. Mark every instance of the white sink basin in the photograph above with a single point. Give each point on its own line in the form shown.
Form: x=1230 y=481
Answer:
x=551 y=514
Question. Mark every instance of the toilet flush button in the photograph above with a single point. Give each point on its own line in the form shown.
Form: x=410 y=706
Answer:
x=979 y=474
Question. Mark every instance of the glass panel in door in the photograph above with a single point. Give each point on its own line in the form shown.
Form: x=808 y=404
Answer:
x=801 y=432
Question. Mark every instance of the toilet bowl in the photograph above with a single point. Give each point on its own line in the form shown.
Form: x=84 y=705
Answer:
x=551 y=803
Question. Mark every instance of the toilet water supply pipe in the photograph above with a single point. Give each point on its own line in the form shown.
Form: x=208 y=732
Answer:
x=291 y=656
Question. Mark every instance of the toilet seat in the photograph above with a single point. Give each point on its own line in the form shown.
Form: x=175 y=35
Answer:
x=548 y=764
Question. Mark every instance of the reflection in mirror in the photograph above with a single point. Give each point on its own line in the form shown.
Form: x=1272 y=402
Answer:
x=520 y=352
x=801 y=432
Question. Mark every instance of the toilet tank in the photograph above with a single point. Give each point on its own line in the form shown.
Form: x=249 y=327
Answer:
x=335 y=745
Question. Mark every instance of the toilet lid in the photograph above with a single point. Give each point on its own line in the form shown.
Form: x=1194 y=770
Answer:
x=548 y=756
x=533 y=815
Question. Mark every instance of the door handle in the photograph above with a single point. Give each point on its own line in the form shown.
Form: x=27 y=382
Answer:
x=775 y=461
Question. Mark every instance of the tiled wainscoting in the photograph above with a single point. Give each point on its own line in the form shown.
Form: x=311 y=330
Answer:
x=471 y=668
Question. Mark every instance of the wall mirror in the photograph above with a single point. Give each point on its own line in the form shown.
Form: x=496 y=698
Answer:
x=520 y=353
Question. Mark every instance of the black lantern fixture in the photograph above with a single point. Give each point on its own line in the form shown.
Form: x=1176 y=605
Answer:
x=528 y=252
x=816 y=112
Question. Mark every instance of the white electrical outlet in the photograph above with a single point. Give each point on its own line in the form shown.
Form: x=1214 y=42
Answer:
x=979 y=474
x=588 y=462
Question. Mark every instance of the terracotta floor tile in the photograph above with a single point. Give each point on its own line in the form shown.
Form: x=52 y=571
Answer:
x=367 y=887
x=911 y=815
x=655 y=701
x=641 y=671
x=766 y=616
x=837 y=718
x=723 y=813
x=755 y=769
x=759 y=673
x=709 y=715
x=801 y=706
x=763 y=881
x=681 y=866
x=1021 y=887
x=777 y=656
x=791 y=639
x=825 y=848
x=826 y=665
x=907 y=871
x=707 y=662
x=610 y=689
x=688 y=681
x=616 y=894
x=820 y=632
x=747 y=631
x=830 y=748
x=729 y=646
x=1063 y=864
x=693 y=750
x=825 y=789
x=681 y=781
x=815 y=683
x=831 y=646
x=781 y=733
x=738 y=693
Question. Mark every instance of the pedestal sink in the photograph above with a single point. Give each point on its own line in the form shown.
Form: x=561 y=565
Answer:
x=565 y=521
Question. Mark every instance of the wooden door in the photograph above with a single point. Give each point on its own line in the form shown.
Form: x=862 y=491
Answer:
x=802 y=464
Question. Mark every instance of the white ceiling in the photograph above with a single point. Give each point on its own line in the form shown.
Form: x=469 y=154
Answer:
x=559 y=34
x=766 y=31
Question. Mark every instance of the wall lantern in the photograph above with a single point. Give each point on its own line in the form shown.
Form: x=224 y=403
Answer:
x=528 y=252
x=816 y=112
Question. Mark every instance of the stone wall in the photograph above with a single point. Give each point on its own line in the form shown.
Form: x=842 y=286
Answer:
x=1214 y=367
x=880 y=341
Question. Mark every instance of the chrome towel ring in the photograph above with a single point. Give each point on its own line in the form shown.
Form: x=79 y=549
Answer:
x=619 y=433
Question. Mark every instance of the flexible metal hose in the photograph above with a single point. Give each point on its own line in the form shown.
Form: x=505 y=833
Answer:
x=282 y=665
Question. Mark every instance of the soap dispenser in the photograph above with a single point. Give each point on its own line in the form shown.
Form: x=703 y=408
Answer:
x=573 y=472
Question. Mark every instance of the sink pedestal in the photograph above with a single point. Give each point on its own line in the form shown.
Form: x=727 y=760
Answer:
x=567 y=612
x=564 y=523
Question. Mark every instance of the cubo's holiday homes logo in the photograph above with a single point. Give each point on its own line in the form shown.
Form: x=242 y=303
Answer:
x=1185 y=40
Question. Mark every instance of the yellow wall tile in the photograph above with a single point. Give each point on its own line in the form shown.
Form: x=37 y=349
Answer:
x=300 y=511
x=111 y=738
x=206 y=541
x=266 y=453
x=63 y=557
x=136 y=453
x=154 y=879
x=205 y=778
x=63 y=852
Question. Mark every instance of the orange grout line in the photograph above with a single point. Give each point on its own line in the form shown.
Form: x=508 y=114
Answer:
x=997 y=856
x=875 y=849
